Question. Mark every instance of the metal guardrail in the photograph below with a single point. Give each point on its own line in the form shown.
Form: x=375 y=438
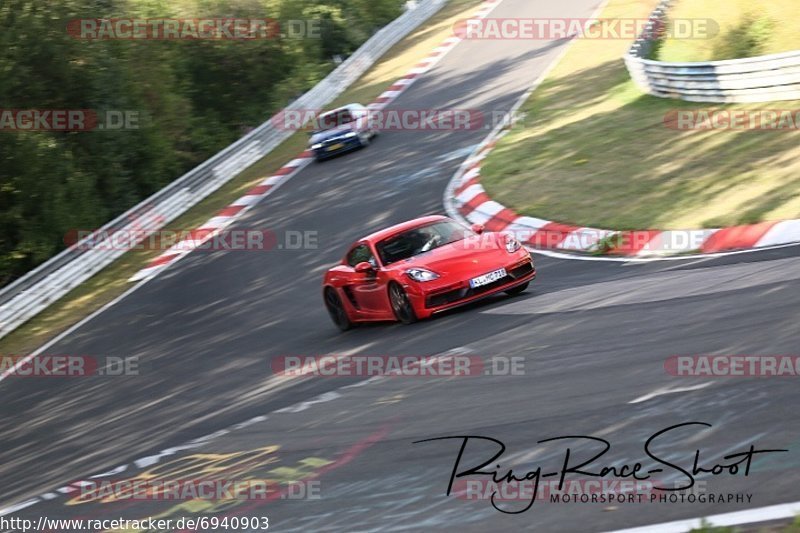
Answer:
x=33 y=292
x=754 y=79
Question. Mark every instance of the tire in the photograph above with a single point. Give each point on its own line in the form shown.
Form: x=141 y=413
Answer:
x=519 y=289
x=364 y=139
x=336 y=309
x=401 y=305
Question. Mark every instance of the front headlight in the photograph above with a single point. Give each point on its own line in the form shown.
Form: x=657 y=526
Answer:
x=350 y=134
x=316 y=146
x=512 y=244
x=421 y=274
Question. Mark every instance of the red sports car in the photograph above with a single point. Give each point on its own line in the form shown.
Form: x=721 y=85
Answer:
x=412 y=270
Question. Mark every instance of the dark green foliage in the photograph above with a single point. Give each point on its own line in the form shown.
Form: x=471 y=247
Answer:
x=748 y=39
x=193 y=98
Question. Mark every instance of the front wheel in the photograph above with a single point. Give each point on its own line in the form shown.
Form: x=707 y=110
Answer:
x=401 y=305
x=336 y=310
x=519 y=289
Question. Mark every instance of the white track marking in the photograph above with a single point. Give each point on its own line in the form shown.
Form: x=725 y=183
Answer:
x=666 y=390
x=750 y=516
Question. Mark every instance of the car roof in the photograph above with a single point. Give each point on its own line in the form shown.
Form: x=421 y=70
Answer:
x=403 y=226
x=348 y=107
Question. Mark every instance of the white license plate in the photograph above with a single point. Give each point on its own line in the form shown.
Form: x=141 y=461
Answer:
x=333 y=147
x=486 y=279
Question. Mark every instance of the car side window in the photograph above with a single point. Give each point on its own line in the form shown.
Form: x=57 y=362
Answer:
x=344 y=118
x=359 y=254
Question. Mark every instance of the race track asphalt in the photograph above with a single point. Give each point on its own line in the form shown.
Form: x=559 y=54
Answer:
x=594 y=337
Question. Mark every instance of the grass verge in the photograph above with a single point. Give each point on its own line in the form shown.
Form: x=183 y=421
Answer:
x=747 y=28
x=112 y=281
x=594 y=151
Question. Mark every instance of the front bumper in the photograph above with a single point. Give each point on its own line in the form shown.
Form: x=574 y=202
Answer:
x=440 y=299
x=348 y=144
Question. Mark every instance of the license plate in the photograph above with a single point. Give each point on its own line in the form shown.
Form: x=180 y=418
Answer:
x=333 y=147
x=486 y=279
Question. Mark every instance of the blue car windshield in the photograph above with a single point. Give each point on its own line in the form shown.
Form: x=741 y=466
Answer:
x=333 y=120
x=419 y=240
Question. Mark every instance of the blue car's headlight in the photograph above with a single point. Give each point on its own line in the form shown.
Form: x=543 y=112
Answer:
x=421 y=274
x=316 y=146
x=350 y=134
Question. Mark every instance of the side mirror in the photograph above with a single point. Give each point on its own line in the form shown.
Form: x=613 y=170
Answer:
x=477 y=228
x=364 y=267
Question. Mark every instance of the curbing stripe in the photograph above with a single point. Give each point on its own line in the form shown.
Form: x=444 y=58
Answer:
x=470 y=192
x=633 y=242
x=473 y=205
x=230 y=211
x=486 y=211
x=551 y=235
x=246 y=200
x=163 y=259
x=584 y=239
x=285 y=171
x=258 y=190
x=736 y=237
x=501 y=220
x=784 y=232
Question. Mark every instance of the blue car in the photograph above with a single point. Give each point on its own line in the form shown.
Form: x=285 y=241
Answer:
x=341 y=130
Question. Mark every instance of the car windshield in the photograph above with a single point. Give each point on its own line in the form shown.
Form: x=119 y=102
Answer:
x=334 y=119
x=419 y=240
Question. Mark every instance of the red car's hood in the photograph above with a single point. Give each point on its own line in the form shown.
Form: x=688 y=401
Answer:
x=461 y=258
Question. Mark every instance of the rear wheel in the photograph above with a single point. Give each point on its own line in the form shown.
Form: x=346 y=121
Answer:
x=336 y=310
x=401 y=305
x=519 y=289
